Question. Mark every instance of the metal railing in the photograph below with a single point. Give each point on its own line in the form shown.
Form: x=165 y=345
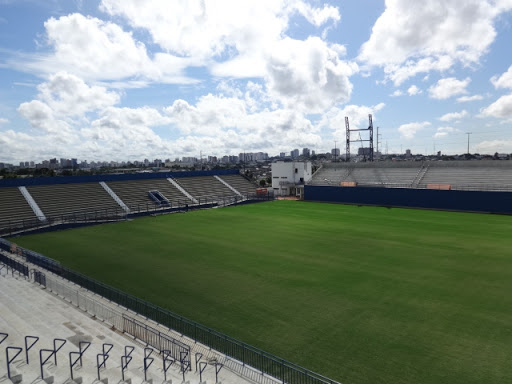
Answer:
x=266 y=363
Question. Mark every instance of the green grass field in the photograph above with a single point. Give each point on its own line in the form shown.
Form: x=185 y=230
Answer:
x=359 y=294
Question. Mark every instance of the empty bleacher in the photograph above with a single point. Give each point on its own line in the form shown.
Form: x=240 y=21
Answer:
x=240 y=183
x=13 y=207
x=134 y=193
x=460 y=175
x=68 y=199
x=481 y=176
x=384 y=175
x=204 y=187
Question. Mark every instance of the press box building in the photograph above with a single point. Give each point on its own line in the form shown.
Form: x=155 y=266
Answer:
x=288 y=178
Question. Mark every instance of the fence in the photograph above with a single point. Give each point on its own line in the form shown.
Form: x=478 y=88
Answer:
x=265 y=362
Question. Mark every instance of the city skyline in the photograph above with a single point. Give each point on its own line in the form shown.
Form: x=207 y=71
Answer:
x=111 y=79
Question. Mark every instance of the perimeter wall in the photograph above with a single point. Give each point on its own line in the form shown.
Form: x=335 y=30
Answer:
x=472 y=201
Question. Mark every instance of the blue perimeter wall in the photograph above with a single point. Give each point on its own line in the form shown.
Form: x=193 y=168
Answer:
x=473 y=201
x=28 y=181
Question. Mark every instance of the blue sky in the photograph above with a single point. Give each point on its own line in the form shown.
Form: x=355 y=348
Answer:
x=119 y=80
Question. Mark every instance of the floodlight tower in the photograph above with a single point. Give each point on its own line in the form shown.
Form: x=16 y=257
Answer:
x=370 y=140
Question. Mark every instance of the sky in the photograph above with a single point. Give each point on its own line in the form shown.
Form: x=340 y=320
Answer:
x=130 y=79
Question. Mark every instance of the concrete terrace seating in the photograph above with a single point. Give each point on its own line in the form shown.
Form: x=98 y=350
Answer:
x=240 y=183
x=13 y=207
x=134 y=193
x=470 y=178
x=66 y=311
x=66 y=199
x=461 y=175
x=36 y=312
x=366 y=176
x=330 y=176
x=204 y=187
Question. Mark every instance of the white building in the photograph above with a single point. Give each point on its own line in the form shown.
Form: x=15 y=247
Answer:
x=288 y=178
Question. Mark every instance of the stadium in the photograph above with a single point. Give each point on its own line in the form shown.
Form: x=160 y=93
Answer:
x=385 y=272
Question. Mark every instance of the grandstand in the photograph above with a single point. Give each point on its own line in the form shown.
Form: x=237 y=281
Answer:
x=203 y=187
x=134 y=193
x=14 y=207
x=459 y=175
x=66 y=199
x=38 y=202
x=240 y=183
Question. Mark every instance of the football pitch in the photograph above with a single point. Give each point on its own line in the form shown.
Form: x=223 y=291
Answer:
x=359 y=294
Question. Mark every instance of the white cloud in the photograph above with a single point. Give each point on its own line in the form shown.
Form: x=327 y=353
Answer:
x=448 y=87
x=454 y=115
x=93 y=49
x=465 y=99
x=316 y=16
x=500 y=108
x=493 y=146
x=397 y=93
x=230 y=120
x=308 y=75
x=200 y=29
x=444 y=131
x=411 y=37
x=504 y=81
x=3 y=120
x=42 y=117
x=68 y=95
x=409 y=130
x=413 y=90
x=400 y=73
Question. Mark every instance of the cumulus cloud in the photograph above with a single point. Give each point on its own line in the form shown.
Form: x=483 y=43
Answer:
x=100 y=50
x=397 y=93
x=409 y=130
x=444 y=131
x=413 y=90
x=3 y=120
x=236 y=119
x=201 y=29
x=503 y=81
x=465 y=99
x=308 y=75
x=501 y=108
x=448 y=87
x=405 y=44
x=454 y=115
x=69 y=95
x=231 y=119
x=493 y=146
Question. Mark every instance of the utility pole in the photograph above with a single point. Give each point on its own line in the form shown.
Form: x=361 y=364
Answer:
x=378 y=139
x=468 y=133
